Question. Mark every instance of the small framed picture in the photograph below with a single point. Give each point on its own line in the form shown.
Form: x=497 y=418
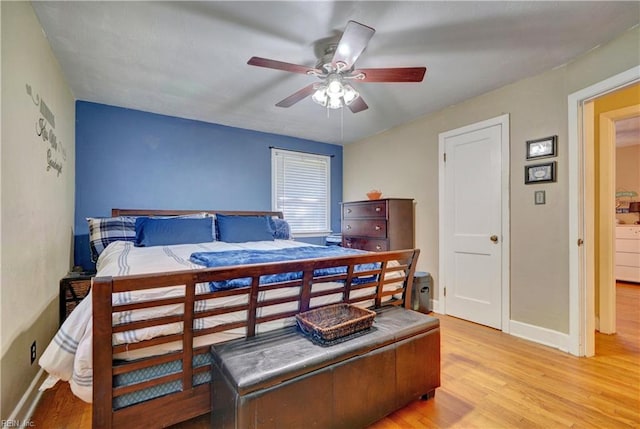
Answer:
x=542 y=148
x=540 y=173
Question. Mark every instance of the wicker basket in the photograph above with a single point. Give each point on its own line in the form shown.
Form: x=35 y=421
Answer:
x=335 y=321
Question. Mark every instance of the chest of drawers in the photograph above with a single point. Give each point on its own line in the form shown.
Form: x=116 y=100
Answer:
x=628 y=253
x=378 y=225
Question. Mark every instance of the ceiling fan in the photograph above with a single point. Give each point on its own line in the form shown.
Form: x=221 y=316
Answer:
x=336 y=69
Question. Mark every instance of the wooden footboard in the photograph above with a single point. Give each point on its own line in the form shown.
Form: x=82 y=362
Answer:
x=389 y=284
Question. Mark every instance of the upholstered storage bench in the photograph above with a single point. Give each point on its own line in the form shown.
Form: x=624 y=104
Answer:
x=281 y=379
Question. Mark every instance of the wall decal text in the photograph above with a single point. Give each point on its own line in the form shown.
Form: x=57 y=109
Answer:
x=56 y=152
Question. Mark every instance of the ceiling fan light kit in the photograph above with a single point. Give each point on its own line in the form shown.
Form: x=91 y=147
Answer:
x=336 y=66
x=334 y=93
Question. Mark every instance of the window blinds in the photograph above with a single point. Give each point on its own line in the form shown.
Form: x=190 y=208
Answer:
x=301 y=190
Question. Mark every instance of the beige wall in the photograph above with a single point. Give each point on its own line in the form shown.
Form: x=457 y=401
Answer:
x=403 y=162
x=628 y=175
x=36 y=202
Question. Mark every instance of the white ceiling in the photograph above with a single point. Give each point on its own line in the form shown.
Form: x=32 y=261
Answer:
x=188 y=59
x=628 y=131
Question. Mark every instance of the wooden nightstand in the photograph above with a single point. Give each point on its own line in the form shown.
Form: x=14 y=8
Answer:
x=73 y=288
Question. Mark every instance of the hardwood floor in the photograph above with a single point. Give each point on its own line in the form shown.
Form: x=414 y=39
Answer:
x=489 y=380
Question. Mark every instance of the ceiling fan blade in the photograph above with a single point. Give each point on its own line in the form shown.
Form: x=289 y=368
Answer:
x=402 y=74
x=353 y=42
x=358 y=105
x=280 y=65
x=297 y=96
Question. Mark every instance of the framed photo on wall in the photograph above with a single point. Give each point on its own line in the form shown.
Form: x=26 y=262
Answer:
x=542 y=148
x=540 y=173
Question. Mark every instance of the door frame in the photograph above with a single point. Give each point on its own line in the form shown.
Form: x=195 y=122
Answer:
x=503 y=122
x=581 y=208
x=606 y=322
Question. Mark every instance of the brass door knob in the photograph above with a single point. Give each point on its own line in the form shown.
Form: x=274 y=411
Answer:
x=494 y=238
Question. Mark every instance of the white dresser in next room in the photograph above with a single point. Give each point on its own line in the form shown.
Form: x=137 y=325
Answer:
x=628 y=253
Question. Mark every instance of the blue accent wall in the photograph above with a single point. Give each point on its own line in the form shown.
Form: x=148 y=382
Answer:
x=132 y=159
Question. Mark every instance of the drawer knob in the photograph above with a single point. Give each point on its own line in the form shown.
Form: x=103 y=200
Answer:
x=348 y=243
x=378 y=227
x=378 y=247
x=348 y=210
x=348 y=227
x=378 y=209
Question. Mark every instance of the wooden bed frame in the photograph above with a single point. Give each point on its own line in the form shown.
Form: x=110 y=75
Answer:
x=193 y=401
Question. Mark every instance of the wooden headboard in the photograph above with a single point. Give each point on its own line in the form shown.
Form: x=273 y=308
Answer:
x=151 y=212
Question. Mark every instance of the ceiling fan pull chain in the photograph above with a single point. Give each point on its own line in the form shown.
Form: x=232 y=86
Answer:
x=342 y=126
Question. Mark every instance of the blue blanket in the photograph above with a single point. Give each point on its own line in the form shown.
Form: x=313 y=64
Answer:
x=242 y=257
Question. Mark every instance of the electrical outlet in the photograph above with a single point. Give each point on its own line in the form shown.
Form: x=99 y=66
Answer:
x=33 y=352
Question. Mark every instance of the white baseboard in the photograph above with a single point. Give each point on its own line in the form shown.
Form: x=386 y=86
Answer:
x=540 y=335
x=23 y=412
x=529 y=332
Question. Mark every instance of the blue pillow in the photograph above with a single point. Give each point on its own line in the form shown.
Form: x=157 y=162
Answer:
x=240 y=229
x=166 y=231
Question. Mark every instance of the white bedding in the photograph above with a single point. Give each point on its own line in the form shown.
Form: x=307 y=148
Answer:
x=69 y=355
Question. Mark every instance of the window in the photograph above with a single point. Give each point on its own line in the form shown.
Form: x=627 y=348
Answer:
x=301 y=190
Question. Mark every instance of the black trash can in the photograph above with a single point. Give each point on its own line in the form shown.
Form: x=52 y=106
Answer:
x=421 y=292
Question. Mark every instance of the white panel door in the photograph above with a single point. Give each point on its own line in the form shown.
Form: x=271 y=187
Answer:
x=473 y=225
